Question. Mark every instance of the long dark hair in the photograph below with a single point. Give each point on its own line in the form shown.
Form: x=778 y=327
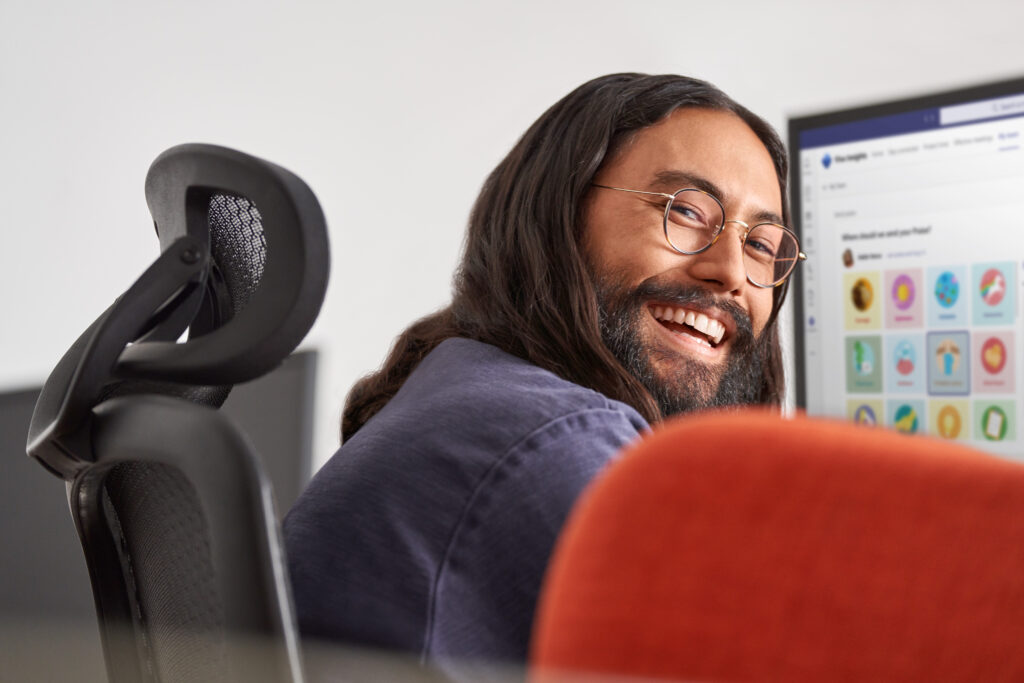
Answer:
x=523 y=284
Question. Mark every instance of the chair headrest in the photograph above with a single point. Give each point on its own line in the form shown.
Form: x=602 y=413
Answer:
x=243 y=269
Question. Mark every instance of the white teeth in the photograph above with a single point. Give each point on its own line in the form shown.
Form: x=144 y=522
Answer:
x=701 y=324
x=714 y=329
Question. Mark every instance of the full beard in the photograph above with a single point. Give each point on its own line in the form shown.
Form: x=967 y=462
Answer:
x=684 y=384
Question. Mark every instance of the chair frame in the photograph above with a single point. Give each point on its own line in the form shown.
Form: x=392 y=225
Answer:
x=80 y=434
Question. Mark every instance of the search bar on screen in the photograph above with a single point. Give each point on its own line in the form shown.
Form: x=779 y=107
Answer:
x=1012 y=105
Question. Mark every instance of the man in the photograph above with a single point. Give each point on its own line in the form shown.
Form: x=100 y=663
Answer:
x=624 y=263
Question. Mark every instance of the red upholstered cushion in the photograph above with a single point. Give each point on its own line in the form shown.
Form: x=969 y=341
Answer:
x=741 y=546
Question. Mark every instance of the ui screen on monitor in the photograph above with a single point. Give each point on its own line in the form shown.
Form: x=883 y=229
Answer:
x=908 y=308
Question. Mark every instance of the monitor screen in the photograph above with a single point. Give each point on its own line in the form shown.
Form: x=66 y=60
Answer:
x=907 y=310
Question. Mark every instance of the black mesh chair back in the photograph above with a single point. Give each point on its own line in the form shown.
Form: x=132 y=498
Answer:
x=172 y=507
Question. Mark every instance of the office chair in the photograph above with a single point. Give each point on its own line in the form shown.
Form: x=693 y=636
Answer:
x=742 y=546
x=172 y=508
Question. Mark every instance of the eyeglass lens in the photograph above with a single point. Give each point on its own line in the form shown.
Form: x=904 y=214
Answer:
x=694 y=218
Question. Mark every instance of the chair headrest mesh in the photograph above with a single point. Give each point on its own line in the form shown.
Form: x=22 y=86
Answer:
x=238 y=246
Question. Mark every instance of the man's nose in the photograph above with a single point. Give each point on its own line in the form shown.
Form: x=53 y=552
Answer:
x=721 y=265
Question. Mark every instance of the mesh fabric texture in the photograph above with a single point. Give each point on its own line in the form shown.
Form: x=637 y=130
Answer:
x=165 y=545
x=238 y=246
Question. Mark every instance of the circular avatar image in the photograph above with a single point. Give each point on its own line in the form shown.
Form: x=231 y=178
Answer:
x=863 y=358
x=905 y=356
x=947 y=355
x=864 y=415
x=863 y=294
x=903 y=292
x=947 y=289
x=905 y=419
x=949 y=422
x=993 y=423
x=848 y=258
x=993 y=355
x=993 y=286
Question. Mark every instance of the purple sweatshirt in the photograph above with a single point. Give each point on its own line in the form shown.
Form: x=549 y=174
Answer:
x=429 y=531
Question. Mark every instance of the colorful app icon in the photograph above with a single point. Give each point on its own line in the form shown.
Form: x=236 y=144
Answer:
x=947 y=356
x=864 y=415
x=863 y=358
x=993 y=355
x=949 y=422
x=862 y=294
x=993 y=365
x=993 y=423
x=862 y=305
x=905 y=419
x=947 y=289
x=993 y=286
x=906 y=357
x=903 y=292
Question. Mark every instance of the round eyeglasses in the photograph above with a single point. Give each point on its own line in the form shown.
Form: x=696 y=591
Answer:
x=694 y=219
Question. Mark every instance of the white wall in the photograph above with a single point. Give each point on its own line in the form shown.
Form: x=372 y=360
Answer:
x=393 y=113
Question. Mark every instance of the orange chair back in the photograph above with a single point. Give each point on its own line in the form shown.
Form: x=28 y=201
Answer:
x=743 y=546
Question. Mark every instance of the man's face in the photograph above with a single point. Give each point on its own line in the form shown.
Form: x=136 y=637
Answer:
x=643 y=283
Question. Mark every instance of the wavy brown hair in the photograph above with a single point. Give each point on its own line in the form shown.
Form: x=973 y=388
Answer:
x=523 y=283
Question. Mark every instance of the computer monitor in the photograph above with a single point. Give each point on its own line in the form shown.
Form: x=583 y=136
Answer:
x=907 y=310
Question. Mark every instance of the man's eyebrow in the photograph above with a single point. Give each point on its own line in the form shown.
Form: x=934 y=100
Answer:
x=672 y=180
x=766 y=217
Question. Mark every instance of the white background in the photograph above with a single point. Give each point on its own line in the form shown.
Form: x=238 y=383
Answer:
x=393 y=113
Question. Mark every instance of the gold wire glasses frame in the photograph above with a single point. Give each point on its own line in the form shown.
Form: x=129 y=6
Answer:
x=696 y=219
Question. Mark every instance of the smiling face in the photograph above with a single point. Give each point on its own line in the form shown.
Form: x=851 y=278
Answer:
x=687 y=326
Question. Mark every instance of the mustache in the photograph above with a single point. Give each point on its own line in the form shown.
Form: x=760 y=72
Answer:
x=692 y=295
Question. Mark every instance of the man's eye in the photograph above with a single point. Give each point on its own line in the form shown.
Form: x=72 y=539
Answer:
x=760 y=248
x=688 y=215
